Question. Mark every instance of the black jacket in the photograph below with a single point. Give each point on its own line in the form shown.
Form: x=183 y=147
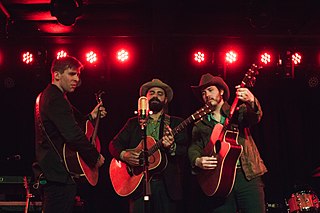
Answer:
x=62 y=123
x=131 y=135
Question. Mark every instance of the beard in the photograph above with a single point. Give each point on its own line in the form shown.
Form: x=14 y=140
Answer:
x=214 y=102
x=155 y=105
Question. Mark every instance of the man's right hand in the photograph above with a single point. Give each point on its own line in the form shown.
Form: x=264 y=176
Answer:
x=206 y=162
x=100 y=161
x=131 y=157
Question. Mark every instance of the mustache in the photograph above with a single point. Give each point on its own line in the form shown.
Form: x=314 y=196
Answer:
x=154 y=99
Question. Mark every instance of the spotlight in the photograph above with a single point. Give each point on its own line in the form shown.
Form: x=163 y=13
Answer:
x=66 y=11
x=265 y=58
x=199 y=57
x=123 y=55
x=27 y=57
x=231 y=57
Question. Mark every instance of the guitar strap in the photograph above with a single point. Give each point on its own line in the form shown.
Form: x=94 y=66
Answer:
x=37 y=111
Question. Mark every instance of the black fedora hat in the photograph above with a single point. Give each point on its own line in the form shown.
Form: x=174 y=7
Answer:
x=209 y=80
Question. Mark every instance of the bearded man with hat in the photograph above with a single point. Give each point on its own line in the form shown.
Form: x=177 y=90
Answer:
x=247 y=194
x=166 y=182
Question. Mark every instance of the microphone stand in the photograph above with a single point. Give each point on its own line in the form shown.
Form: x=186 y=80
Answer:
x=146 y=185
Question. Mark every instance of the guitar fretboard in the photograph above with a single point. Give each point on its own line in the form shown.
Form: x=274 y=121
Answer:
x=197 y=115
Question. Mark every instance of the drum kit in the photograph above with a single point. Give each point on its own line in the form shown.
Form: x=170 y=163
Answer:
x=302 y=200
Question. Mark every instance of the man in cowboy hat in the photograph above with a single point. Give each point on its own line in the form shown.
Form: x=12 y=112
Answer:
x=166 y=179
x=247 y=194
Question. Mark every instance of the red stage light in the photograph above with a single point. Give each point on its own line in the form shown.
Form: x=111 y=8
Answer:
x=296 y=58
x=27 y=58
x=61 y=54
x=231 y=56
x=199 y=56
x=91 y=57
x=265 y=58
x=123 y=55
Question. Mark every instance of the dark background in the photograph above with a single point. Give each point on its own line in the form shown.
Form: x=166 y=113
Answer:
x=163 y=37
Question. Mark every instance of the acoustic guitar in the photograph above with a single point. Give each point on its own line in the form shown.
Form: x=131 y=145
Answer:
x=126 y=179
x=224 y=146
x=74 y=163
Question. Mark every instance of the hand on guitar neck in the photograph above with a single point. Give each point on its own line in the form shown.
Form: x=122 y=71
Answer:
x=206 y=162
x=99 y=109
x=100 y=161
x=168 y=138
x=244 y=94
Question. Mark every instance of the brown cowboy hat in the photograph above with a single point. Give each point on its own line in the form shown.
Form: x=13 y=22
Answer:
x=209 y=80
x=156 y=83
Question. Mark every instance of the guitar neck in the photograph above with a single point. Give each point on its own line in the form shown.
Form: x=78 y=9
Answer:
x=96 y=126
x=175 y=131
x=233 y=106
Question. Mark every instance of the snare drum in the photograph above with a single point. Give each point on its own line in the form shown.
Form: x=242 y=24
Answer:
x=303 y=201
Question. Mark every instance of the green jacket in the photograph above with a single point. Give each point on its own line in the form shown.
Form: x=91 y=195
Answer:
x=243 y=118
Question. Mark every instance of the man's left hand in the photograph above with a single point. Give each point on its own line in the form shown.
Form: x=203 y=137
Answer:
x=102 y=109
x=168 y=138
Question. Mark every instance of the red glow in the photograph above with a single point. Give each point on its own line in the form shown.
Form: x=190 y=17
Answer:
x=265 y=58
x=61 y=54
x=91 y=57
x=231 y=56
x=123 y=55
x=27 y=58
x=55 y=28
x=296 y=58
x=199 y=56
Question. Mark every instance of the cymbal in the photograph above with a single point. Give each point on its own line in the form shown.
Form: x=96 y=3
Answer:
x=316 y=172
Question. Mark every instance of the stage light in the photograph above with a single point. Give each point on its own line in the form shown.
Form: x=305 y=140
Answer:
x=91 y=57
x=199 y=57
x=66 y=11
x=27 y=58
x=61 y=54
x=123 y=55
x=231 y=57
x=265 y=58
x=296 y=58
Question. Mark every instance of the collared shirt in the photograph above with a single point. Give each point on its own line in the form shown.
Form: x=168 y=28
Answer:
x=222 y=119
x=153 y=127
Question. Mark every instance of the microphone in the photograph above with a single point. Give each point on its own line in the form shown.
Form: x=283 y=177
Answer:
x=143 y=107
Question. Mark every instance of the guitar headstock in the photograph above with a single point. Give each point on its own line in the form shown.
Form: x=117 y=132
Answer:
x=206 y=109
x=98 y=95
x=250 y=77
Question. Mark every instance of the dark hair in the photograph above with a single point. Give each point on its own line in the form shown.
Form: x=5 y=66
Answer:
x=64 y=63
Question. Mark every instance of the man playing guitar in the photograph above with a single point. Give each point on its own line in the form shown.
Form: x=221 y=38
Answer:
x=246 y=189
x=165 y=165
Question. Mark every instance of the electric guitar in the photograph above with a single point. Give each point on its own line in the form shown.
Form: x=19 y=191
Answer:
x=224 y=146
x=74 y=163
x=126 y=179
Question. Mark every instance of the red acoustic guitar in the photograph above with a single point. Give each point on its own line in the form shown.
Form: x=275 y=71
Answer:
x=126 y=179
x=223 y=144
x=74 y=163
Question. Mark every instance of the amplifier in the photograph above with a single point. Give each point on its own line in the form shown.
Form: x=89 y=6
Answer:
x=12 y=188
x=19 y=206
x=13 y=179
